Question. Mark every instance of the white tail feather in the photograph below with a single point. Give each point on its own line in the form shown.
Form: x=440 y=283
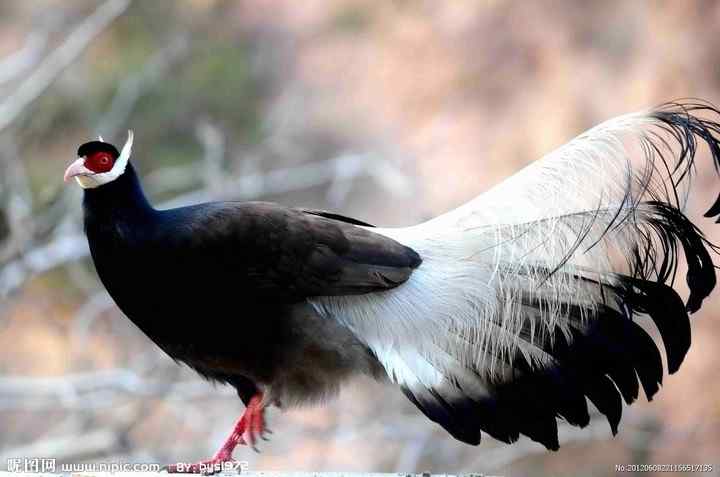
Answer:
x=529 y=238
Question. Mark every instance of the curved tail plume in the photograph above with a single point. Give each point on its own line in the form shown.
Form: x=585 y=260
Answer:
x=526 y=304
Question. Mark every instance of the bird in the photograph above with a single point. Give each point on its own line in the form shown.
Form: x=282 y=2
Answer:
x=503 y=316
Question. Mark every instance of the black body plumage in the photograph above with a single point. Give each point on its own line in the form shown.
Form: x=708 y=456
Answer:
x=217 y=285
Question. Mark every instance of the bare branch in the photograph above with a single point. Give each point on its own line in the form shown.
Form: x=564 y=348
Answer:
x=95 y=390
x=62 y=57
x=134 y=86
x=16 y=64
x=42 y=259
x=288 y=179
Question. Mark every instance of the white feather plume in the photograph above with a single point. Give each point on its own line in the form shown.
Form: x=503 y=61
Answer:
x=572 y=213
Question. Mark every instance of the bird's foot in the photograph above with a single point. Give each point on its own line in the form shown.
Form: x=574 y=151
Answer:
x=251 y=425
x=248 y=429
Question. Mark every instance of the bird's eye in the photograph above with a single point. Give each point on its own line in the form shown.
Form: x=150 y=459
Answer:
x=100 y=162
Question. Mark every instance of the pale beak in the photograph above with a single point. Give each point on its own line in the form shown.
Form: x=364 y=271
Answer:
x=77 y=168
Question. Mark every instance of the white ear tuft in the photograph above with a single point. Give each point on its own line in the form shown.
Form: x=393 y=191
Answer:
x=101 y=139
x=127 y=148
x=124 y=157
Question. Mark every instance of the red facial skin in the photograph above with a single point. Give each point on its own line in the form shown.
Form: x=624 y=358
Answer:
x=100 y=162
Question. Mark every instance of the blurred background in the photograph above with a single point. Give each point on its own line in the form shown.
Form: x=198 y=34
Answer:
x=389 y=111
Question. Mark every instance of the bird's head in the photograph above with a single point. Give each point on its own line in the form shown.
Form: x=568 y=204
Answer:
x=99 y=163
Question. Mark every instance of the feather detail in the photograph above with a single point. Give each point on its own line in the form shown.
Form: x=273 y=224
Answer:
x=532 y=287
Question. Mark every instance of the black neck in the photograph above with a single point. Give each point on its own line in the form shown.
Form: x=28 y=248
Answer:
x=122 y=198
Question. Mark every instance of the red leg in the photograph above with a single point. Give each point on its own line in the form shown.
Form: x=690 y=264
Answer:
x=247 y=429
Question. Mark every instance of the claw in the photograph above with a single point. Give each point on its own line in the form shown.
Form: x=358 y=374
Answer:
x=247 y=430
